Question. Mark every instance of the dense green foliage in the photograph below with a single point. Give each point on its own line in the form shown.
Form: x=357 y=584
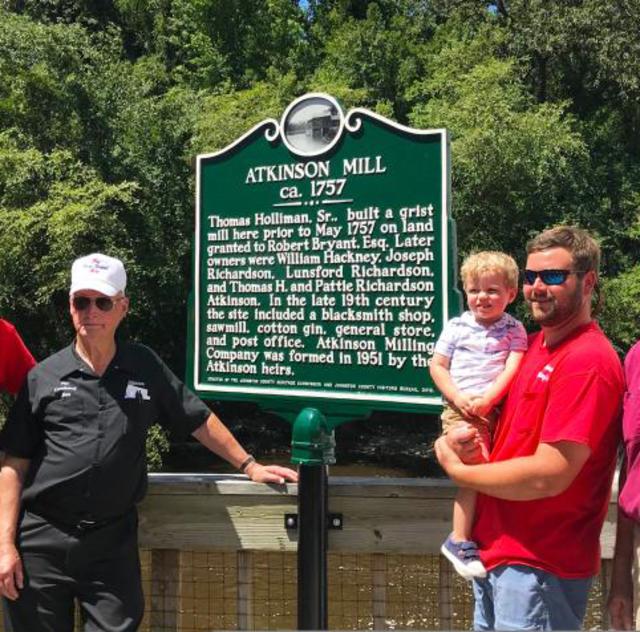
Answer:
x=103 y=106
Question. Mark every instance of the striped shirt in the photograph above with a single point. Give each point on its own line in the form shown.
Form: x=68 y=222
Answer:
x=477 y=353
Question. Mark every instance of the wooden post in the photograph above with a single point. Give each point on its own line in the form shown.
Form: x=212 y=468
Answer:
x=165 y=589
x=444 y=596
x=245 y=590
x=379 y=590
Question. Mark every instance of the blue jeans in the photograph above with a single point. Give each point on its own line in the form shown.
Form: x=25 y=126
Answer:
x=525 y=598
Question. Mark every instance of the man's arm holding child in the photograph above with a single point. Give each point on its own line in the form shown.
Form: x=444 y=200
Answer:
x=545 y=473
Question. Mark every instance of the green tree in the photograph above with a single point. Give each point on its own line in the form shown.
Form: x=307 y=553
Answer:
x=518 y=165
x=74 y=212
x=621 y=313
x=225 y=117
x=86 y=129
x=216 y=44
x=586 y=54
x=103 y=106
x=372 y=48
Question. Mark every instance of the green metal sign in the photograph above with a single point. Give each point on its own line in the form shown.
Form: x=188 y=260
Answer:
x=324 y=262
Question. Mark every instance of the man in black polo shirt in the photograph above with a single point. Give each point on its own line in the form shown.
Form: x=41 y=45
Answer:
x=76 y=467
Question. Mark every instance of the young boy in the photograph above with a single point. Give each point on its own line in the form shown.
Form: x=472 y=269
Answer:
x=475 y=360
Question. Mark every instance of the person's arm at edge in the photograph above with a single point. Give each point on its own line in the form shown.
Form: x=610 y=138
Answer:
x=620 y=600
x=12 y=476
x=20 y=360
x=215 y=436
x=498 y=389
x=546 y=473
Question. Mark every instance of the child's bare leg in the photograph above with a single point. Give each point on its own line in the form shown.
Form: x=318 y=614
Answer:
x=458 y=547
x=464 y=509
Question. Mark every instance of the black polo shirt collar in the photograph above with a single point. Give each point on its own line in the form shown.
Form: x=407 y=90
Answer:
x=69 y=362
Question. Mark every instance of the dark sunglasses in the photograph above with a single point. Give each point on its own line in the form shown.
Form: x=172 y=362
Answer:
x=103 y=303
x=548 y=277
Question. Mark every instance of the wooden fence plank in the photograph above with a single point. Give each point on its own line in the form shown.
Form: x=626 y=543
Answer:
x=245 y=590
x=379 y=590
x=232 y=513
x=444 y=591
x=165 y=590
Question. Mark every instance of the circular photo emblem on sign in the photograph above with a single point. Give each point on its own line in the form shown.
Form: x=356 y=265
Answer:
x=312 y=124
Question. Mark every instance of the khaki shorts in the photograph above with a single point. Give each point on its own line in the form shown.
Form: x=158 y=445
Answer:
x=452 y=417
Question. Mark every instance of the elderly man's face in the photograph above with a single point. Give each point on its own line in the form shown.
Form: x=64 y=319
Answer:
x=95 y=315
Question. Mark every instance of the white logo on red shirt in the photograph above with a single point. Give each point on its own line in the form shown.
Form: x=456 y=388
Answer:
x=545 y=374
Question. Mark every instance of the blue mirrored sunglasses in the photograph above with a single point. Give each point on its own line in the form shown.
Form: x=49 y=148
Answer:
x=548 y=277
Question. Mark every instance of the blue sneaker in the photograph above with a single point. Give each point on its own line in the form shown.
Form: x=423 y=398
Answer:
x=464 y=557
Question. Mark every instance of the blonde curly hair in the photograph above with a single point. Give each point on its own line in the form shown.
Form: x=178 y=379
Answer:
x=479 y=263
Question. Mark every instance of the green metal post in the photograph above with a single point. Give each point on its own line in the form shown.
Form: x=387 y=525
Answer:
x=313 y=449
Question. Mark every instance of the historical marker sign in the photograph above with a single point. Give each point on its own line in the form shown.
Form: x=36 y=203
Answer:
x=324 y=260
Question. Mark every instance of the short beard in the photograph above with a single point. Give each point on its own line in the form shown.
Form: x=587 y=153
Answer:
x=558 y=315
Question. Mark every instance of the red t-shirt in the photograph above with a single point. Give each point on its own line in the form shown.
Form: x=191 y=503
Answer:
x=571 y=392
x=15 y=359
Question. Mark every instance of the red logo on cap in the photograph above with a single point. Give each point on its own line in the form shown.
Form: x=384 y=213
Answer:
x=96 y=267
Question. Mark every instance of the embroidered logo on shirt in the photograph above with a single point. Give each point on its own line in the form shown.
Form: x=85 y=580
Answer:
x=136 y=390
x=65 y=389
x=545 y=374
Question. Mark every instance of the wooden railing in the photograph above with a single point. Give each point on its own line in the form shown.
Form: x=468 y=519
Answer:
x=389 y=523
x=216 y=555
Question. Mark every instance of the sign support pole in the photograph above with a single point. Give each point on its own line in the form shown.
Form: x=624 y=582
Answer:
x=312 y=446
x=312 y=547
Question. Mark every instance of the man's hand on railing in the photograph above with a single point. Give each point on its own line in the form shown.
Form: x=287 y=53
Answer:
x=270 y=473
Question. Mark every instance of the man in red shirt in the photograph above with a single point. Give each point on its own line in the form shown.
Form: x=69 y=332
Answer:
x=15 y=359
x=544 y=494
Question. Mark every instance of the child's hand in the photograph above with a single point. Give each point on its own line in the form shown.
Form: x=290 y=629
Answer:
x=464 y=403
x=480 y=407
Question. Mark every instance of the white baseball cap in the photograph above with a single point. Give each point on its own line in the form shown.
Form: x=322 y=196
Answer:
x=100 y=273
